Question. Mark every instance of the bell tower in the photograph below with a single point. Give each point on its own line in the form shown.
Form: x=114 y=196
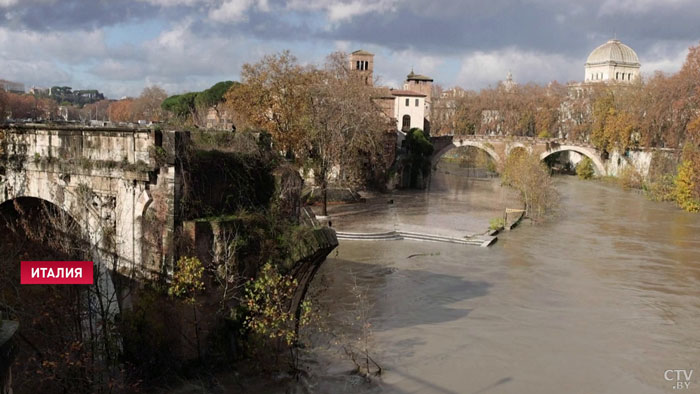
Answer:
x=362 y=64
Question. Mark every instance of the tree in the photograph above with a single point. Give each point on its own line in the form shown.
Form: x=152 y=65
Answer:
x=346 y=126
x=96 y=111
x=214 y=96
x=419 y=150
x=618 y=131
x=467 y=115
x=584 y=168
x=603 y=106
x=193 y=107
x=148 y=105
x=121 y=111
x=274 y=96
x=181 y=105
x=686 y=195
x=526 y=173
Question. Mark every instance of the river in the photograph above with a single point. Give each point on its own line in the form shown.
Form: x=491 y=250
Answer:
x=603 y=299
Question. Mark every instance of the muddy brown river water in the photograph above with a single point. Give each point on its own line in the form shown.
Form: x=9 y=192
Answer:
x=604 y=299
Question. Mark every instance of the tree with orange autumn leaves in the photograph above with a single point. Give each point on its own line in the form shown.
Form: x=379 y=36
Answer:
x=145 y=107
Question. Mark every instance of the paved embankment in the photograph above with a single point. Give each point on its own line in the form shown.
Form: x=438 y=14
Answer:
x=482 y=241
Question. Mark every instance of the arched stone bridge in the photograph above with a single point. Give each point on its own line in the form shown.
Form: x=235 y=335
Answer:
x=107 y=180
x=498 y=148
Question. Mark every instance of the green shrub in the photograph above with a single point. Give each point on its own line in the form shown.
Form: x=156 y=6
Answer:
x=496 y=223
x=266 y=302
x=420 y=150
x=187 y=281
x=629 y=178
x=684 y=188
x=584 y=168
x=662 y=188
x=159 y=155
x=544 y=134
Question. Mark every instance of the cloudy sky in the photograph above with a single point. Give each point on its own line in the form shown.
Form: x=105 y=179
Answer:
x=121 y=46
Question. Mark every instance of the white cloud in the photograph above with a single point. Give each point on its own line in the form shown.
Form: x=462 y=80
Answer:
x=344 y=10
x=7 y=3
x=46 y=59
x=173 y=3
x=638 y=7
x=231 y=11
x=178 y=60
x=39 y=72
x=480 y=69
x=665 y=57
x=392 y=67
x=31 y=45
x=236 y=10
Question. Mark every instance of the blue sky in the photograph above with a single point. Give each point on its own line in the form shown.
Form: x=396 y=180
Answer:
x=122 y=46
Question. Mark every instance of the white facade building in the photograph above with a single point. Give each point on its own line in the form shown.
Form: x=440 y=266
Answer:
x=409 y=109
x=9 y=86
x=612 y=62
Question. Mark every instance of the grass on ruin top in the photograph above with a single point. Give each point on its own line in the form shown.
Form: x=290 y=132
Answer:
x=244 y=216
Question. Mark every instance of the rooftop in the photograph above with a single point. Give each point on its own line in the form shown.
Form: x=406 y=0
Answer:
x=362 y=52
x=613 y=51
x=403 y=93
x=417 y=77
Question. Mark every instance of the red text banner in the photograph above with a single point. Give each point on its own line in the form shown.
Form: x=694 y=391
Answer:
x=56 y=273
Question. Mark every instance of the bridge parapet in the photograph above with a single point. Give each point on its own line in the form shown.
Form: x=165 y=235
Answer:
x=42 y=146
x=515 y=138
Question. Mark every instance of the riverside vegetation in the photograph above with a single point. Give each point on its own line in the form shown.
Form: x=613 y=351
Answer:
x=659 y=111
x=210 y=315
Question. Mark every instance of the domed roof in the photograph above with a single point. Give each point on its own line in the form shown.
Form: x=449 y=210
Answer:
x=417 y=77
x=613 y=51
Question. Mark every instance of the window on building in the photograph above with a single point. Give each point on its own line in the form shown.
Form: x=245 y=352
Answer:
x=617 y=75
x=629 y=77
x=408 y=102
x=417 y=102
x=406 y=123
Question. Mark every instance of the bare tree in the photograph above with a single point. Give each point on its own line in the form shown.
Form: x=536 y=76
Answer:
x=347 y=127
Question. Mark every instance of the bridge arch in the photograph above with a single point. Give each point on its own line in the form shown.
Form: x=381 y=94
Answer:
x=87 y=237
x=67 y=201
x=464 y=142
x=585 y=151
x=513 y=146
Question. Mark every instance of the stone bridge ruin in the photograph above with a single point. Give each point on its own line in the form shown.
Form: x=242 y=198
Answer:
x=120 y=185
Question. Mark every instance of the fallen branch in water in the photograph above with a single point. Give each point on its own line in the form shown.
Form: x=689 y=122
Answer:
x=423 y=255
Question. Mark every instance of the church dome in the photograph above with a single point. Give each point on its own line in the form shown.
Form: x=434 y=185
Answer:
x=615 y=52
